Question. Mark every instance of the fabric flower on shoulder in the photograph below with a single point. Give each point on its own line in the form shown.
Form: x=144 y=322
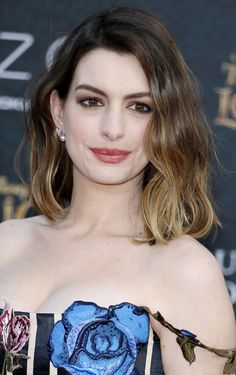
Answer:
x=14 y=334
x=96 y=340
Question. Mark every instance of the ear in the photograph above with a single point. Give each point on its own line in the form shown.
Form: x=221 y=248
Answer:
x=56 y=106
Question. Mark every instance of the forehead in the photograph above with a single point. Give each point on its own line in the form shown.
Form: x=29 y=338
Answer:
x=110 y=70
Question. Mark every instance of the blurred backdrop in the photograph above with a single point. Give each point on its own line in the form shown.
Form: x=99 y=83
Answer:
x=205 y=31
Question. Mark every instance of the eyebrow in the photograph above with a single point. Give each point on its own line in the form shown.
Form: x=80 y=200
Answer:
x=100 y=92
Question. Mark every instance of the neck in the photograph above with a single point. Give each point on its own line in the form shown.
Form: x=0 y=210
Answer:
x=106 y=209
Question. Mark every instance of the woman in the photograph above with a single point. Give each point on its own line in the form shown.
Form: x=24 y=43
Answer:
x=119 y=157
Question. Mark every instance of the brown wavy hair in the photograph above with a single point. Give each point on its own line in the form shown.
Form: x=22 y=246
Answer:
x=176 y=198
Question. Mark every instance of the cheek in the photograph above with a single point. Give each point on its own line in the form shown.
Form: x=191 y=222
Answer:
x=138 y=137
x=140 y=146
x=77 y=128
x=137 y=128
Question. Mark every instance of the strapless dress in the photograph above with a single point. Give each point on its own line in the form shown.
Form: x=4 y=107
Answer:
x=91 y=340
x=88 y=339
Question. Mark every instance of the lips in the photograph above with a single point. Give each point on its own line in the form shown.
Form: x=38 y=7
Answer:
x=111 y=156
x=108 y=151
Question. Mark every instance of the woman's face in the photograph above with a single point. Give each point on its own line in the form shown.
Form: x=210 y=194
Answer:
x=104 y=117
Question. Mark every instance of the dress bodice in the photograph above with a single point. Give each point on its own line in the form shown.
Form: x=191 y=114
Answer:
x=88 y=339
x=91 y=340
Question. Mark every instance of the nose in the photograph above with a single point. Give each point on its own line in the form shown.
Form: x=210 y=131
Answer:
x=112 y=124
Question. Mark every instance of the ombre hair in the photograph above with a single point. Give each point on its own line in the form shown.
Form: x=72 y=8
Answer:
x=176 y=198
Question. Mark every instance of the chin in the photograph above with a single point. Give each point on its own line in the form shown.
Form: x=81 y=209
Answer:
x=114 y=178
x=111 y=180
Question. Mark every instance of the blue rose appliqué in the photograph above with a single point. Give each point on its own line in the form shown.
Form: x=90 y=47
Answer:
x=95 y=340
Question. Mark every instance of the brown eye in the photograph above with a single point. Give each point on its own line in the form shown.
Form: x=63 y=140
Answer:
x=141 y=107
x=90 y=102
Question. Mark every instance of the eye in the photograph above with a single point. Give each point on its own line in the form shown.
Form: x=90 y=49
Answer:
x=141 y=107
x=90 y=102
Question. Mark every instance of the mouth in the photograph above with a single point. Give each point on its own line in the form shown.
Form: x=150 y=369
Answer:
x=112 y=156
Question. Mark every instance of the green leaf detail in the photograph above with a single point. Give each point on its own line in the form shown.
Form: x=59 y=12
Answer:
x=230 y=366
x=187 y=345
x=187 y=349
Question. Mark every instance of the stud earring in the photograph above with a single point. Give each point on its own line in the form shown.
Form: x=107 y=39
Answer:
x=61 y=135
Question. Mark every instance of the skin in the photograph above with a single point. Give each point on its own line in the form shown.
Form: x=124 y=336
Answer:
x=89 y=255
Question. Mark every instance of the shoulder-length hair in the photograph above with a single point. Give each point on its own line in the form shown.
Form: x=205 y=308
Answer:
x=176 y=198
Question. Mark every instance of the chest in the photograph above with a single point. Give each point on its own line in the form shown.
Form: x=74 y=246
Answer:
x=52 y=275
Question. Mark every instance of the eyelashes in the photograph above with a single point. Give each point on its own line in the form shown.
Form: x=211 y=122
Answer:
x=93 y=102
x=90 y=102
x=141 y=107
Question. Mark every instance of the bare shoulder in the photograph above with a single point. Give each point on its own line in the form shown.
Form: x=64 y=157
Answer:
x=16 y=226
x=184 y=261
x=190 y=260
x=196 y=299
x=200 y=281
x=17 y=234
x=194 y=274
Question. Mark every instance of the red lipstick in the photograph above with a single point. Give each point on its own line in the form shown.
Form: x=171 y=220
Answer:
x=108 y=155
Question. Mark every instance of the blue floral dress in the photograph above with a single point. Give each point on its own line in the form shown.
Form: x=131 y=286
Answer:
x=91 y=340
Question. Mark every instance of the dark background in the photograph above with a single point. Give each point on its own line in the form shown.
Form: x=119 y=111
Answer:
x=205 y=32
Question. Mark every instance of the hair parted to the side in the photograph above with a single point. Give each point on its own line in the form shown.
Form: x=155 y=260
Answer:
x=176 y=198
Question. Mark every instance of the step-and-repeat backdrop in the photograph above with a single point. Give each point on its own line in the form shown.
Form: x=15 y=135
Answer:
x=205 y=32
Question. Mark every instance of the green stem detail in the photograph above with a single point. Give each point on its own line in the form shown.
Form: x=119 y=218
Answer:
x=4 y=363
x=11 y=361
x=187 y=345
